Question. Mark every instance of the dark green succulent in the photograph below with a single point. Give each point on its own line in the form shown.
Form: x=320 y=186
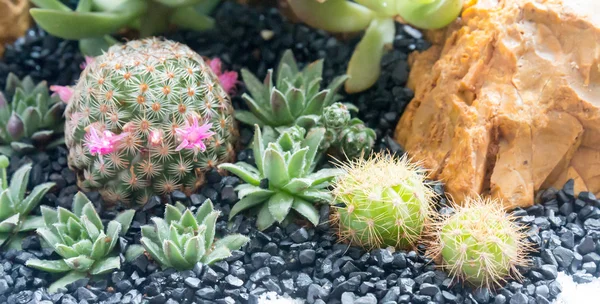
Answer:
x=286 y=165
x=296 y=99
x=182 y=239
x=33 y=119
x=93 y=21
x=79 y=237
x=15 y=206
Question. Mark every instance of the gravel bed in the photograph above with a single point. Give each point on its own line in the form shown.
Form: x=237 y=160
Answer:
x=302 y=262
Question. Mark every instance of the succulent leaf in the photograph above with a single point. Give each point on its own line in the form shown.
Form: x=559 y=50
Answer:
x=241 y=172
x=80 y=263
x=216 y=255
x=307 y=210
x=124 y=218
x=210 y=223
x=333 y=15
x=18 y=183
x=66 y=280
x=57 y=266
x=106 y=265
x=279 y=205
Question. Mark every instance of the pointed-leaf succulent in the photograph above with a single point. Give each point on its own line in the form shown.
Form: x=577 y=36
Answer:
x=181 y=239
x=283 y=179
x=376 y=18
x=295 y=98
x=80 y=238
x=15 y=206
x=32 y=119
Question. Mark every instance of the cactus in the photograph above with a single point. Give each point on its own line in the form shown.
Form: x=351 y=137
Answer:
x=32 y=119
x=15 y=206
x=182 y=239
x=149 y=117
x=81 y=241
x=296 y=99
x=479 y=243
x=286 y=165
x=386 y=202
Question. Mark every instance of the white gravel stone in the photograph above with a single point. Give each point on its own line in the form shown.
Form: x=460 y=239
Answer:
x=573 y=293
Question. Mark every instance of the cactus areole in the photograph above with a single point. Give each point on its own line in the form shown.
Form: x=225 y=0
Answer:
x=148 y=117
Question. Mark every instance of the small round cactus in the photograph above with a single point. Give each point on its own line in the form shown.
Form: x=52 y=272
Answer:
x=479 y=243
x=148 y=117
x=386 y=202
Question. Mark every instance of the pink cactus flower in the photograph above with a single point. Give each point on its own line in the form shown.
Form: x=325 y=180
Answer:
x=156 y=137
x=192 y=135
x=63 y=92
x=88 y=61
x=228 y=79
x=102 y=143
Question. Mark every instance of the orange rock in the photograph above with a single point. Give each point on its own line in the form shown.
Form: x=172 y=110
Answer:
x=507 y=100
x=14 y=20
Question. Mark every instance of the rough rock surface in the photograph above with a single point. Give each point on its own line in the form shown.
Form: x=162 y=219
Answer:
x=14 y=20
x=507 y=100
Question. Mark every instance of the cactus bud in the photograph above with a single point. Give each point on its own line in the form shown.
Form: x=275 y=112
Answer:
x=15 y=127
x=336 y=116
x=3 y=162
x=357 y=140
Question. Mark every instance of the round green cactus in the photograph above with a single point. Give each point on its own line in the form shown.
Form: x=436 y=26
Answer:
x=148 y=117
x=386 y=202
x=479 y=243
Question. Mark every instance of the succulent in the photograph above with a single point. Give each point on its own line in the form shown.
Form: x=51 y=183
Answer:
x=283 y=179
x=385 y=202
x=146 y=118
x=376 y=18
x=296 y=99
x=80 y=239
x=93 y=21
x=480 y=243
x=33 y=119
x=182 y=239
x=15 y=206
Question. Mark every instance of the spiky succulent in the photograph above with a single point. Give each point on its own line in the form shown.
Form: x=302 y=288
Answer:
x=296 y=99
x=15 y=206
x=93 y=21
x=32 y=119
x=283 y=179
x=480 y=243
x=149 y=117
x=377 y=20
x=182 y=239
x=385 y=202
x=80 y=239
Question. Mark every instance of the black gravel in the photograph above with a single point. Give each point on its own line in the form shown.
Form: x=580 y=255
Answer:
x=296 y=260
